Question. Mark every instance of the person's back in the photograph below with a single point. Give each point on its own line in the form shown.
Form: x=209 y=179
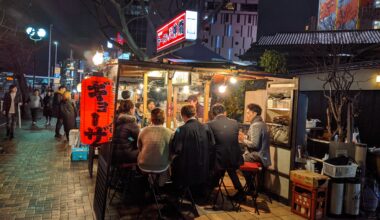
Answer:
x=190 y=149
x=227 y=149
x=153 y=144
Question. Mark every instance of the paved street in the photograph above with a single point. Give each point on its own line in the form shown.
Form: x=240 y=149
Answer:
x=38 y=181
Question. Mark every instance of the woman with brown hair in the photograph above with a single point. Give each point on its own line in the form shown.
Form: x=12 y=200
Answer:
x=68 y=113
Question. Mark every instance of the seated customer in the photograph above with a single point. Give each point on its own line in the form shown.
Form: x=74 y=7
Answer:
x=226 y=149
x=190 y=151
x=257 y=143
x=126 y=133
x=153 y=144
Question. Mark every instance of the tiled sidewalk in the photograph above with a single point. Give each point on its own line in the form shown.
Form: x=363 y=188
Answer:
x=38 y=181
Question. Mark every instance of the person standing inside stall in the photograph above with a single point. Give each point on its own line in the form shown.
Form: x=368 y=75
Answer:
x=227 y=150
x=10 y=109
x=257 y=142
x=139 y=113
x=58 y=96
x=126 y=134
x=189 y=150
x=193 y=100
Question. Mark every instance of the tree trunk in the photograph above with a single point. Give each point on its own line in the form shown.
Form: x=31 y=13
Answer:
x=24 y=93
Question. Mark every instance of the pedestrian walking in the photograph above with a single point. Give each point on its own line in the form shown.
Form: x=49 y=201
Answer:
x=35 y=104
x=10 y=109
x=68 y=113
x=48 y=106
x=58 y=96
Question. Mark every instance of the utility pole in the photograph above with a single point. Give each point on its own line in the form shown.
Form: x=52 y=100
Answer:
x=49 y=63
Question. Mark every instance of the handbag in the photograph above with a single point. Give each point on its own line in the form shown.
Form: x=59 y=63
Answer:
x=280 y=134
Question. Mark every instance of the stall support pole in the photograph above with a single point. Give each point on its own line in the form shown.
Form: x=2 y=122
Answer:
x=145 y=94
x=175 y=107
x=206 y=100
x=169 y=111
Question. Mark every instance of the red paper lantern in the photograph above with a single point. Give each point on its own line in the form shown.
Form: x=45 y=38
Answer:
x=96 y=110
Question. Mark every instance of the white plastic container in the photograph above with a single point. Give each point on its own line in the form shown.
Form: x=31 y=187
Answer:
x=337 y=171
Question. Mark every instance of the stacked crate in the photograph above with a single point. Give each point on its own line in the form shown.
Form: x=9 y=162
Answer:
x=309 y=194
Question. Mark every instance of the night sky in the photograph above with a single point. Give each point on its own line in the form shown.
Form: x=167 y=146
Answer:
x=73 y=27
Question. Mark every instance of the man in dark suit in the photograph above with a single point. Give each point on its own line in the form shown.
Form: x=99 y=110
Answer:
x=228 y=156
x=189 y=150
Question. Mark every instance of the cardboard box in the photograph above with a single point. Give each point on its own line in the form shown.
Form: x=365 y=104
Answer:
x=309 y=179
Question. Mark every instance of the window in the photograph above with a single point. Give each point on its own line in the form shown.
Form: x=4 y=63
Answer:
x=229 y=30
x=226 y=18
x=376 y=24
x=229 y=53
x=249 y=19
x=248 y=7
x=217 y=42
x=238 y=19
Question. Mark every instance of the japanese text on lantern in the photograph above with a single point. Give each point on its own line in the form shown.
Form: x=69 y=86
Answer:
x=97 y=110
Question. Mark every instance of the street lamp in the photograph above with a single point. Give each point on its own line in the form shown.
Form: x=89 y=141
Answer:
x=98 y=58
x=35 y=34
x=56 y=49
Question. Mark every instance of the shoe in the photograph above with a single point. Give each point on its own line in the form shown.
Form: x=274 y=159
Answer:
x=58 y=136
x=239 y=196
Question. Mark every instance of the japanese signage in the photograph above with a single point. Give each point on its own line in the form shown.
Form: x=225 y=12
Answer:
x=96 y=110
x=181 y=28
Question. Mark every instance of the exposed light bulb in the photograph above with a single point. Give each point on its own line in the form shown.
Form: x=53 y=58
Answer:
x=158 y=89
x=141 y=86
x=233 y=80
x=186 y=89
x=222 y=88
x=138 y=91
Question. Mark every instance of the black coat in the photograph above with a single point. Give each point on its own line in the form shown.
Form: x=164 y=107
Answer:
x=68 y=114
x=57 y=100
x=190 y=148
x=227 y=150
x=8 y=101
x=48 y=105
x=125 y=139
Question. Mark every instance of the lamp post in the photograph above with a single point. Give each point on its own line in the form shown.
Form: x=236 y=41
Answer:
x=56 y=51
x=35 y=35
x=49 y=63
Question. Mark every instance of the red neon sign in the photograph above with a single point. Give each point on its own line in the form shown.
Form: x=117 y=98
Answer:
x=181 y=28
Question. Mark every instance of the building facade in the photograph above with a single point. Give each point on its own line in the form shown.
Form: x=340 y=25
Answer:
x=232 y=30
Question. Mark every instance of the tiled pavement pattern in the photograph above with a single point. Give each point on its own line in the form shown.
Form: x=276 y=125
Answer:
x=38 y=181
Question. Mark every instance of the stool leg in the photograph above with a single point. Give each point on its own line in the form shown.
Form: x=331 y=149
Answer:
x=152 y=187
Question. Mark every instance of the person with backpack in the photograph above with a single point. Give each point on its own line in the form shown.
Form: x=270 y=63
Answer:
x=35 y=103
x=57 y=99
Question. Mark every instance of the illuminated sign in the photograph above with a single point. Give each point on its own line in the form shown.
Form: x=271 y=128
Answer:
x=181 y=28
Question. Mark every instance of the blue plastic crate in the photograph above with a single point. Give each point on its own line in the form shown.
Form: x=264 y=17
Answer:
x=79 y=153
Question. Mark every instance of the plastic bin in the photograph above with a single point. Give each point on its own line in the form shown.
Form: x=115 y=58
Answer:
x=339 y=171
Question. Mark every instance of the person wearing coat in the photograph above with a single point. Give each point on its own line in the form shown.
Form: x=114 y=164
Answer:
x=48 y=106
x=68 y=113
x=10 y=109
x=257 y=144
x=189 y=150
x=126 y=134
x=57 y=99
x=227 y=151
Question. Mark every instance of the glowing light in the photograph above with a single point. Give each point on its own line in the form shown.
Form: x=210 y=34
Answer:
x=138 y=91
x=29 y=30
x=378 y=78
x=98 y=58
x=158 y=89
x=79 y=87
x=233 y=80
x=55 y=42
x=186 y=89
x=155 y=74
x=141 y=86
x=41 y=32
x=222 y=88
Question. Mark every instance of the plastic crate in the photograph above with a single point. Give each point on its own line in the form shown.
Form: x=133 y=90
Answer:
x=339 y=171
x=79 y=153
